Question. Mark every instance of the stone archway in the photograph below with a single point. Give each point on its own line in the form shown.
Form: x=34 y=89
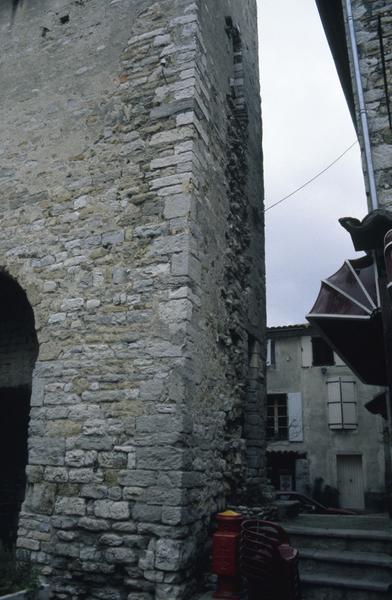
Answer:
x=18 y=353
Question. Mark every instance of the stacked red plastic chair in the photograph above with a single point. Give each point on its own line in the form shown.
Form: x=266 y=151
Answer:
x=268 y=563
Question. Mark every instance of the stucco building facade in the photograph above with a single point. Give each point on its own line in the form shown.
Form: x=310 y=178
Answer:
x=132 y=283
x=317 y=422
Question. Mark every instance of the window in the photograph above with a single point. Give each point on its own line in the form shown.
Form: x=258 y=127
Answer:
x=342 y=403
x=284 y=417
x=322 y=353
x=277 y=417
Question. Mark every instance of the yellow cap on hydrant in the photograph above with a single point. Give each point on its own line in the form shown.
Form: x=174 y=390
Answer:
x=229 y=513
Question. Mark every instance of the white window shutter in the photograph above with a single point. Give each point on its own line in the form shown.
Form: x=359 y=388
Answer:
x=335 y=417
x=349 y=415
x=349 y=402
x=333 y=388
x=348 y=389
x=306 y=347
x=294 y=406
x=342 y=403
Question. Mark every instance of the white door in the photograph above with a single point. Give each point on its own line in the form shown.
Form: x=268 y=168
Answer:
x=350 y=481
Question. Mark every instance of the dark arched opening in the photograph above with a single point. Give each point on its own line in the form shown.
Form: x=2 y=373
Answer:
x=18 y=353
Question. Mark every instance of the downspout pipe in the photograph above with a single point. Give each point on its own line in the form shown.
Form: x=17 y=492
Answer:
x=362 y=107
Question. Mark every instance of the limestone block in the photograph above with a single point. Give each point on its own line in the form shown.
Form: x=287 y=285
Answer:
x=161 y=458
x=41 y=498
x=133 y=493
x=168 y=555
x=61 y=522
x=382 y=156
x=113 y=459
x=101 y=491
x=69 y=550
x=146 y=512
x=163 y=423
x=72 y=304
x=90 y=553
x=85 y=475
x=110 y=539
x=169 y=244
x=35 y=473
x=178 y=205
x=138 y=477
x=56 y=474
x=70 y=506
x=172 y=515
x=147 y=560
x=171 y=159
x=28 y=544
x=67 y=536
x=155 y=576
x=91 y=524
x=81 y=458
x=171 y=136
x=174 y=311
x=175 y=592
x=151 y=231
x=120 y=555
x=109 y=509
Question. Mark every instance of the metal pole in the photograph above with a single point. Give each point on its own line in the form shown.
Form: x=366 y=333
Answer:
x=362 y=106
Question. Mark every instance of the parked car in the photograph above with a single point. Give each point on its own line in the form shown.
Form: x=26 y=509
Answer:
x=308 y=505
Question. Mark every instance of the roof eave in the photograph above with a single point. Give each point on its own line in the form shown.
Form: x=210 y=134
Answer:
x=332 y=18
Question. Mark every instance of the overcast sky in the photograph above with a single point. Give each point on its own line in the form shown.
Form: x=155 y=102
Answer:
x=306 y=125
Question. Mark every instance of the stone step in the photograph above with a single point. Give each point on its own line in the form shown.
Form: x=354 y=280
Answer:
x=316 y=587
x=355 y=540
x=368 y=522
x=372 y=566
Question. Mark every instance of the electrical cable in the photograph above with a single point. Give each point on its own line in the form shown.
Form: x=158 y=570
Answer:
x=301 y=187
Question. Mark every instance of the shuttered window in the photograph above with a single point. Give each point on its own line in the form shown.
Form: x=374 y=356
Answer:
x=284 y=417
x=342 y=403
x=277 y=417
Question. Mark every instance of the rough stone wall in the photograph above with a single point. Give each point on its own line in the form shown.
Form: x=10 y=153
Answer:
x=228 y=230
x=373 y=24
x=131 y=180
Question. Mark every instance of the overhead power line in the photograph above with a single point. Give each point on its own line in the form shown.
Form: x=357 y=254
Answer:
x=301 y=187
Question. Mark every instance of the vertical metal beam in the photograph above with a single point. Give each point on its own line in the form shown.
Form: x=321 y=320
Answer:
x=362 y=106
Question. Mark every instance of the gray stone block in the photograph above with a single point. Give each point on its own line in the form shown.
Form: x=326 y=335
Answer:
x=162 y=458
x=109 y=509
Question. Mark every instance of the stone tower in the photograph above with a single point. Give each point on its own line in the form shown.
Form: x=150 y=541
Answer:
x=132 y=285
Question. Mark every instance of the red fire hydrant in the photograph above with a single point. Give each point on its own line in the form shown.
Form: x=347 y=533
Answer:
x=225 y=555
